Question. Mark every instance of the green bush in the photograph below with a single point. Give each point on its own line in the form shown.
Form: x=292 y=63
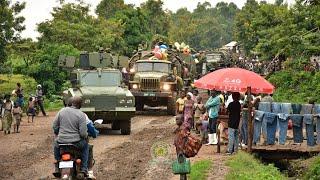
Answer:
x=9 y=82
x=313 y=172
x=296 y=86
x=199 y=170
x=244 y=166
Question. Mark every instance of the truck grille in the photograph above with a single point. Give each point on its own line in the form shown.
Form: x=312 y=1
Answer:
x=150 y=84
x=104 y=102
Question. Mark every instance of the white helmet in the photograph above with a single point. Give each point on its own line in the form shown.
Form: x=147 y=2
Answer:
x=39 y=86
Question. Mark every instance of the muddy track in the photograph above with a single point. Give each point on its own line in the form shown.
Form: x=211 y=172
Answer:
x=133 y=160
x=28 y=155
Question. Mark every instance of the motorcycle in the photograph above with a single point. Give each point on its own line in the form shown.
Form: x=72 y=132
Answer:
x=70 y=162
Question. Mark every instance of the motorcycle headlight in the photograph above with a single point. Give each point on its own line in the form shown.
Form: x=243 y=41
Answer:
x=132 y=70
x=166 y=87
x=87 y=101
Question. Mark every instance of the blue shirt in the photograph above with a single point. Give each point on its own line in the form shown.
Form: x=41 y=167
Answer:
x=213 y=106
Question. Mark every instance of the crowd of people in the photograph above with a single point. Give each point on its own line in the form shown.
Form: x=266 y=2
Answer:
x=202 y=116
x=12 y=107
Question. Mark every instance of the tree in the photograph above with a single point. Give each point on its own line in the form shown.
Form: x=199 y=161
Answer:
x=158 y=20
x=72 y=24
x=135 y=29
x=109 y=8
x=46 y=71
x=206 y=28
x=11 y=24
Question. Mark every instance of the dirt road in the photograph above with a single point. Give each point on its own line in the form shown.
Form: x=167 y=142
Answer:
x=28 y=155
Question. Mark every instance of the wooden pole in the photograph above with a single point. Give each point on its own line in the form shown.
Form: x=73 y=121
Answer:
x=218 y=135
x=250 y=125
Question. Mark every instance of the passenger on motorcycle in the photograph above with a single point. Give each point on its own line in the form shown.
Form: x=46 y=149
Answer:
x=70 y=126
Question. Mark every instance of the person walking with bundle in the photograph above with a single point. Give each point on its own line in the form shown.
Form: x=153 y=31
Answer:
x=213 y=106
x=7 y=114
x=17 y=114
x=234 y=111
x=31 y=110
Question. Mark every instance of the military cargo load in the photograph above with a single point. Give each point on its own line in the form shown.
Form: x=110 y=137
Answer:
x=157 y=76
x=103 y=93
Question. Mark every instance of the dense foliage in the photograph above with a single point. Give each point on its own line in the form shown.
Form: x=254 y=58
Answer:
x=313 y=171
x=10 y=25
x=268 y=30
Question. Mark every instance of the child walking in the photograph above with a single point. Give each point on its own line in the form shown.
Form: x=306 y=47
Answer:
x=198 y=112
x=31 y=111
x=204 y=123
x=234 y=110
x=17 y=114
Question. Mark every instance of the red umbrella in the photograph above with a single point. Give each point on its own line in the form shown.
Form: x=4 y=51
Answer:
x=235 y=80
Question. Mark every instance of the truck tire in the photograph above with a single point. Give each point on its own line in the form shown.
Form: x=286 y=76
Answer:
x=139 y=105
x=115 y=126
x=171 y=106
x=126 y=127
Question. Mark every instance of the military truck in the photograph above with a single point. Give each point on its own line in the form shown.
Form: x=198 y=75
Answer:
x=216 y=60
x=154 y=83
x=100 y=86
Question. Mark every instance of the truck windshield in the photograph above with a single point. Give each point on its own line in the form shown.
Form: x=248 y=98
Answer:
x=158 y=67
x=106 y=79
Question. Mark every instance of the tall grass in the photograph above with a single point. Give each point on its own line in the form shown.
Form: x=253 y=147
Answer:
x=200 y=169
x=244 y=166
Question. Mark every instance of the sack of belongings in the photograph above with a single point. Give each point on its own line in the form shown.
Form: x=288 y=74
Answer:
x=187 y=144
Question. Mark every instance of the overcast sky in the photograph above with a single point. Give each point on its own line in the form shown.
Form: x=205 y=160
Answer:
x=37 y=11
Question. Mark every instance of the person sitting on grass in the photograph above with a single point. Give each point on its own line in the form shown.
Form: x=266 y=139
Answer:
x=234 y=110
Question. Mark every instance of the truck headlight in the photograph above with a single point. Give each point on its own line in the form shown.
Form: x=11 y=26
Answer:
x=134 y=86
x=129 y=101
x=122 y=101
x=87 y=101
x=166 y=87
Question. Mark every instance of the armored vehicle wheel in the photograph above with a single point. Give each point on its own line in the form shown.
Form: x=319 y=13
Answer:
x=126 y=127
x=171 y=106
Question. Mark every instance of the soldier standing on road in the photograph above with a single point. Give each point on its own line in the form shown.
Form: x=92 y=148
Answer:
x=39 y=95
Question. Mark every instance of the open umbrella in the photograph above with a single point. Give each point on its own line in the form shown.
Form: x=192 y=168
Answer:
x=235 y=80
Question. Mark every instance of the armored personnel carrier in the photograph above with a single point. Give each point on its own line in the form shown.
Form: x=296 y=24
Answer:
x=103 y=93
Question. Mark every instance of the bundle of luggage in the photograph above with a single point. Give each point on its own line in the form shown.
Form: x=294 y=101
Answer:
x=187 y=144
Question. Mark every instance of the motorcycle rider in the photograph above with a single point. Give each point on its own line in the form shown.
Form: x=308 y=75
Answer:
x=39 y=95
x=70 y=126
